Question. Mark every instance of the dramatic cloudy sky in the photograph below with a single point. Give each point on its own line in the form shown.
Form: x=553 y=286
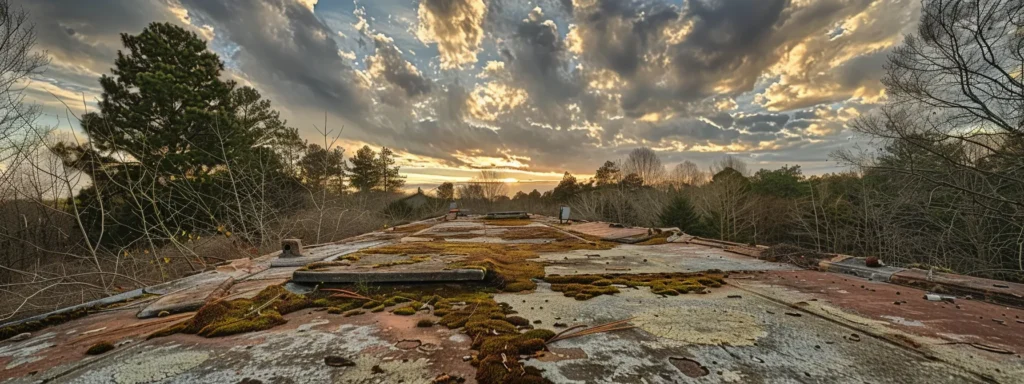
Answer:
x=533 y=87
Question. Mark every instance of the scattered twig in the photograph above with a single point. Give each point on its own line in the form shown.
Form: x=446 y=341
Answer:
x=982 y=347
x=607 y=327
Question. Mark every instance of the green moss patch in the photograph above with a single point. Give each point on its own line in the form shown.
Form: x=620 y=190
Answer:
x=264 y=311
x=583 y=287
x=405 y=311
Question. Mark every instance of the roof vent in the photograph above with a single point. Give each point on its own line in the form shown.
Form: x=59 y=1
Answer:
x=291 y=248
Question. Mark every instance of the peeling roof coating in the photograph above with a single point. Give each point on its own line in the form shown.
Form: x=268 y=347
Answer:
x=769 y=323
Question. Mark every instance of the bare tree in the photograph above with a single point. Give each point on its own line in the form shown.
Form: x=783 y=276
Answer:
x=645 y=163
x=730 y=161
x=687 y=174
x=957 y=98
x=18 y=62
x=491 y=183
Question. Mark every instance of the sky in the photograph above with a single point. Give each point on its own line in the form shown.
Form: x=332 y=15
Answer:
x=532 y=88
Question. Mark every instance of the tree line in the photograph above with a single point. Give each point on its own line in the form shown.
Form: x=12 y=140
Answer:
x=176 y=169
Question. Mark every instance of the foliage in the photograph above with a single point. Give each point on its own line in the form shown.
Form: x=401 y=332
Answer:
x=365 y=173
x=171 y=141
x=632 y=182
x=607 y=174
x=321 y=166
x=390 y=179
x=446 y=191
x=680 y=213
x=566 y=189
x=784 y=182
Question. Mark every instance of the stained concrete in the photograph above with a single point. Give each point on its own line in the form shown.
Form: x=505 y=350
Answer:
x=653 y=259
x=324 y=253
x=771 y=324
x=750 y=340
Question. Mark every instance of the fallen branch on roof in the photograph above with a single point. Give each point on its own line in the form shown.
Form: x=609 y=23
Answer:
x=606 y=327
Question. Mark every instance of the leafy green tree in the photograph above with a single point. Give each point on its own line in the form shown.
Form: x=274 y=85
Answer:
x=785 y=182
x=566 y=189
x=172 y=140
x=389 y=178
x=681 y=214
x=320 y=167
x=607 y=174
x=365 y=173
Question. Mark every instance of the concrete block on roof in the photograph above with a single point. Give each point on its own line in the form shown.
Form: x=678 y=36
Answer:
x=291 y=248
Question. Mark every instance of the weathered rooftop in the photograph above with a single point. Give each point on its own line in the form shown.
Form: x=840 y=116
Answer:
x=768 y=323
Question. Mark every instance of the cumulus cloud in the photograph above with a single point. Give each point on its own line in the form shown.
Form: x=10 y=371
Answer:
x=388 y=64
x=457 y=28
x=546 y=86
x=285 y=49
x=832 y=67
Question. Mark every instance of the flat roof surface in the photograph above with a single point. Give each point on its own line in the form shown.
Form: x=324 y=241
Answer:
x=769 y=323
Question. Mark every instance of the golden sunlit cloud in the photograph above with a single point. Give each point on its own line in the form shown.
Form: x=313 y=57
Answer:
x=490 y=100
x=457 y=28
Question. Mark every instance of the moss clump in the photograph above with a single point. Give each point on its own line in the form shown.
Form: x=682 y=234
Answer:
x=583 y=287
x=354 y=312
x=519 y=344
x=583 y=291
x=395 y=300
x=425 y=323
x=517 y=321
x=342 y=308
x=379 y=308
x=412 y=260
x=405 y=311
x=264 y=311
x=493 y=332
x=100 y=348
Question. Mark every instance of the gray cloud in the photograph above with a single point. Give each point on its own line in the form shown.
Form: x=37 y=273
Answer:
x=641 y=72
x=297 y=57
x=390 y=64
